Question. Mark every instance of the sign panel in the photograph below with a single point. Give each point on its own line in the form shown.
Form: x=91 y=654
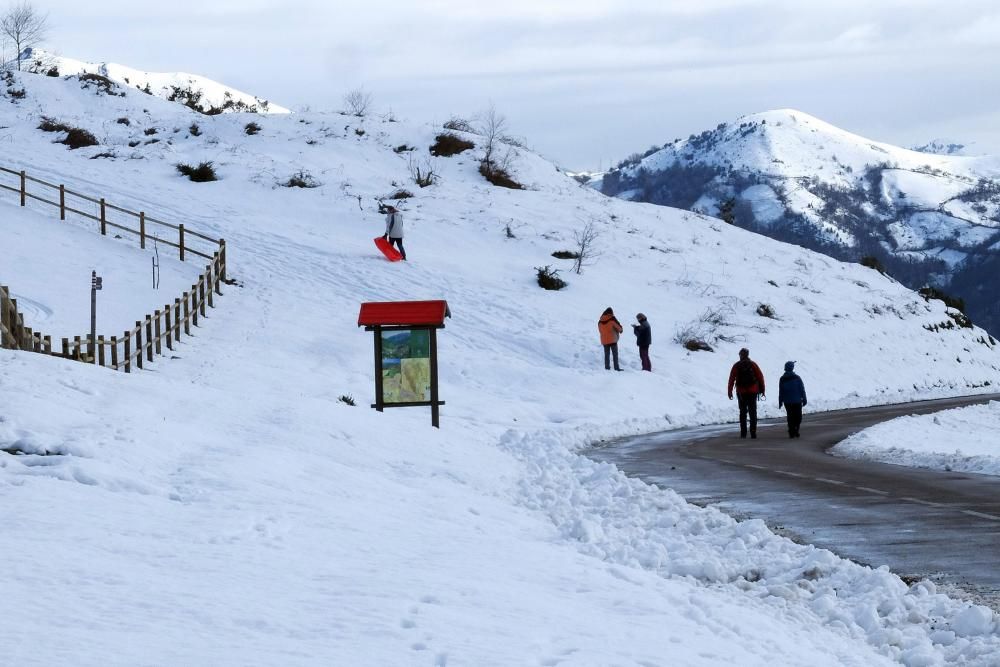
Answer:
x=406 y=366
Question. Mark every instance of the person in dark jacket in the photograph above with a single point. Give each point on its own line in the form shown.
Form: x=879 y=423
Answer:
x=792 y=393
x=610 y=329
x=746 y=377
x=643 y=338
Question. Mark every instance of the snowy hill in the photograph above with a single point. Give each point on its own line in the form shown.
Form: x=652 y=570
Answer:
x=227 y=507
x=197 y=92
x=930 y=219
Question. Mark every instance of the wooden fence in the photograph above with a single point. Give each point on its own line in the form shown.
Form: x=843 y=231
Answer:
x=146 y=229
x=151 y=335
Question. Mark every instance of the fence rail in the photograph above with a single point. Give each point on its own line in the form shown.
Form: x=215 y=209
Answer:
x=151 y=335
x=187 y=241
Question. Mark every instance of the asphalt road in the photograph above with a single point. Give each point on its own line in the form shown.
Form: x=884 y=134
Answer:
x=923 y=524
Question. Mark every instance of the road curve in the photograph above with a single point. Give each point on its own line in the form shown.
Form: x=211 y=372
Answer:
x=923 y=524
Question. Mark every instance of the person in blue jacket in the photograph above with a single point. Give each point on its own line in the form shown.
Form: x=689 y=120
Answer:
x=792 y=393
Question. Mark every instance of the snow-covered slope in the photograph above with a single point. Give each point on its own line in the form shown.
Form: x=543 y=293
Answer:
x=226 y=507
x=197 y=92
x=930 y=218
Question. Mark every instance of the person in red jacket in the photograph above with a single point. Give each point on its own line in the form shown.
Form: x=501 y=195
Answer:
x=610 y=329
x=749 y=383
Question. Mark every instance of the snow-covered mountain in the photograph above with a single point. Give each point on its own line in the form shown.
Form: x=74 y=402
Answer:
x=197 y=92
x=230 y=505
x=929 y=218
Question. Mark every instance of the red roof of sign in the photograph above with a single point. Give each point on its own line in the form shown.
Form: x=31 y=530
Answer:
x=391 y=313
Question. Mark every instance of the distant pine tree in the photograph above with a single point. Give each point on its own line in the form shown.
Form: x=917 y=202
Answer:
x=727 y=211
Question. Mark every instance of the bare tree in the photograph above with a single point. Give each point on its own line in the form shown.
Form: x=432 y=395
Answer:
x=586 y=252
x=357 y=102
x=23 y=27
x=493 y=126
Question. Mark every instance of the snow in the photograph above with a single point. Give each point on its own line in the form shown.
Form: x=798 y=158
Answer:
x=963 y=439
x=224 y=507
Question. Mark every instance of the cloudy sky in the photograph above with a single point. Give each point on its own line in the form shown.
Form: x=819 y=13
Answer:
x=585 y=82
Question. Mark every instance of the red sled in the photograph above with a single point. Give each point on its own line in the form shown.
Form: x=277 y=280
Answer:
x=390 y=253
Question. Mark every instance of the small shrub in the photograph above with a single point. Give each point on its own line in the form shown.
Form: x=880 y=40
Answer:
x=53 y=72
x=697 y=345
x=459 y=125
x=301 y=179
x=17 y=94
x=498 y=176
x=203 y=173
x=401 y=194
x=50 y=125
x=134 y=143
x=78 y=138
x=194 y=130
x=105 y=154
x=929 y=293
x=359 y=131
x=251 y=128
x=123 y=121
x=149 y=131
x=403 y=148
x=565 y=254
x=102 y=83
x=548 y=278
x=873 y=262
x=347 y=399
x=422 y=172
x=447 y=144
x=765 y=310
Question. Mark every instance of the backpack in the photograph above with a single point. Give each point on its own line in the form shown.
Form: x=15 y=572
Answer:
x=745 y=377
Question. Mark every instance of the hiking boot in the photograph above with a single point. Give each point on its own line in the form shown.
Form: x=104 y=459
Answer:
x=753 y=436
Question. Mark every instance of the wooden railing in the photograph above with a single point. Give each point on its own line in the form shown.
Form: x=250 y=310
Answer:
x=146 y=229
x=151 y=335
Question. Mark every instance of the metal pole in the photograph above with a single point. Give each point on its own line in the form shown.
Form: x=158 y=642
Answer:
x=93 y=316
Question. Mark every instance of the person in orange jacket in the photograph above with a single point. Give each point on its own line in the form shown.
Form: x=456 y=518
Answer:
x=749 y=382
x=610 y=329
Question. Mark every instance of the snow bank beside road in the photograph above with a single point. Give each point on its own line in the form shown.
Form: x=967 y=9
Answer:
x=963 y=439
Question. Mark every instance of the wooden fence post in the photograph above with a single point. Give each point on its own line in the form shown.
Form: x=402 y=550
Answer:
x=149 y=338
x=194 y=304
x=65 y=348
x=167 y=326
x=76 y=348
x=210 y=290
x=104 y=219
x=142 y=229
x=4 y=316
x=114 y=352
x=222 y=260
x=201 y=295
x=138 y=345
x=177 y=320
x=128 y=352
x=180 y=245
x=157 y=331
x=47 y=345
x=27 y=344
x=24 y=188
x=187 y=315
x=100 y=350
x=62 y=202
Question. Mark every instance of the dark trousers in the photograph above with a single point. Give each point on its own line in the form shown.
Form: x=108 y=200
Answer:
x=793 y=412
x=644 y=357
x=748 y=407
x=399 y=244
x=609 y=350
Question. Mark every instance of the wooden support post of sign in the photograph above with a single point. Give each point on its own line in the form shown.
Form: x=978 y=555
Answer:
x=104 y=218
x=379 y=402
x=435 y=409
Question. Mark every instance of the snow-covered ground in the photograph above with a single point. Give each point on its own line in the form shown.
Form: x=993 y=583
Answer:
x=224 y=507
x=964 y=440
